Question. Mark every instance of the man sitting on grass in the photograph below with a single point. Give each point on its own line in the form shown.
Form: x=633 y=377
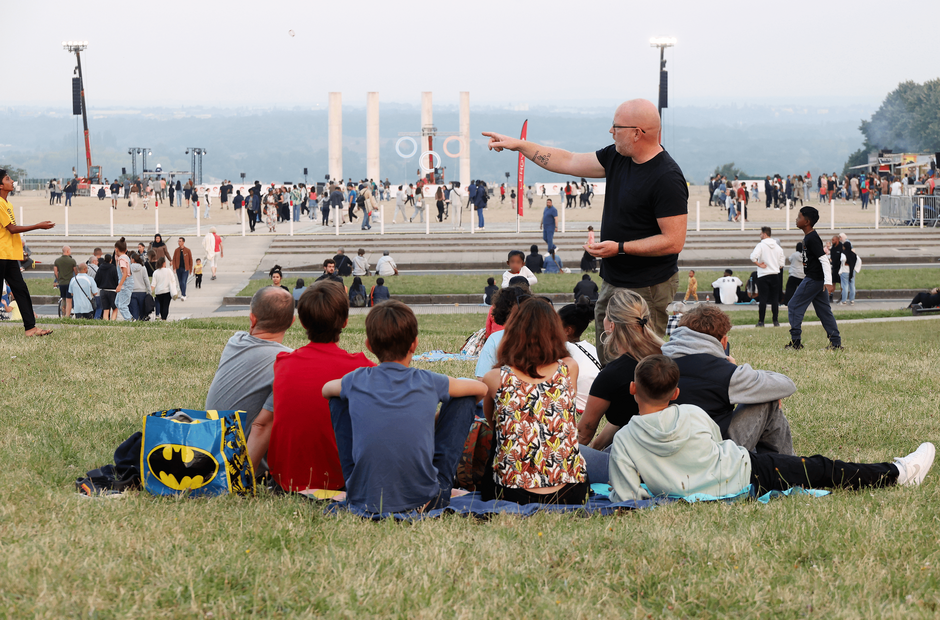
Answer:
x=396 y=451
x=678 y=450
x=713 y=381
x=245 y=378
x=298 y=436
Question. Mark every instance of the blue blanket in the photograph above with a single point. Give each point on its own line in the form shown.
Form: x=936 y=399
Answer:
x=597 y=504
x=441 y=356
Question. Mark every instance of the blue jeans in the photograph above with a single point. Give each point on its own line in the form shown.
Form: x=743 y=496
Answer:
x=68 y=199
x=296 y=209
x=548 y=235
x=206 y=214
x=848 y=287
x=813 y=292
x=597 y=462
x=450 y=435
x=732 y=213
x=123 y=300
x=182 y=275
x=480 y=218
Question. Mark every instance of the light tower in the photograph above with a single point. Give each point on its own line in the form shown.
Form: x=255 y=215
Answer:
x=134 y=151
x=662 y=43
x=77 y=47
x=196 y=165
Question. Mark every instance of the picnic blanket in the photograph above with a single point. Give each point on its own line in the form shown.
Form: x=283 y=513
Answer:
x=471 y=504
x=443 y=356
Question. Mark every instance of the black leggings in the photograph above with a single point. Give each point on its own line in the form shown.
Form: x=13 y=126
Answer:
x=792 y=285
x=11 y=274
x=926 y=300
x=779 y=472
x=574 y=493
x=768 y=292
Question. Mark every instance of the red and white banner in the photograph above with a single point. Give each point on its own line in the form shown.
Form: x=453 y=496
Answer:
x=520 y=189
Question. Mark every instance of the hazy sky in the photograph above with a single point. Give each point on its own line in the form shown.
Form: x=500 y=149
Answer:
x=507 y=52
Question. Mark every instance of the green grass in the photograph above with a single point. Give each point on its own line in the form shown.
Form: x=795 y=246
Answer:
x=868 y=279
x=72 y=397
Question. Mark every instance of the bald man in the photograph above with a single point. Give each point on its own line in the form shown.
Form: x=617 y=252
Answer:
x=645 y=208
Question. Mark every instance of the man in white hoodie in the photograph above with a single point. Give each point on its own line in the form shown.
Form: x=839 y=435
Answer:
x=677 y=450
x=769 y=258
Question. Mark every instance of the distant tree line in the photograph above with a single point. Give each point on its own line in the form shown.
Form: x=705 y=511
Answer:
x=908 y=121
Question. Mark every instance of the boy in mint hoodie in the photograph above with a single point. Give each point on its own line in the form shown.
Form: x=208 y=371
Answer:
x=678 y=450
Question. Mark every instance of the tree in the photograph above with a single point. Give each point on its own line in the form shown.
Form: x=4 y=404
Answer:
x=730 y=171
x=17 y=174
x=908 y=121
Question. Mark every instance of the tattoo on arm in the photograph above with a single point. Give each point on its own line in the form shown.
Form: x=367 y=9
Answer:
x=541 y=159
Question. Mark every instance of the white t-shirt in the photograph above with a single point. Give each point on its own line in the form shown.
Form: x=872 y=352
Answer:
x=587 y=369
x=727 y=288
x=525 y=272
x=386 y=266
x=896 y=188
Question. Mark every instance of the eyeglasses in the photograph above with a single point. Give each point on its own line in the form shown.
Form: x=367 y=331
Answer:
x=627 y=127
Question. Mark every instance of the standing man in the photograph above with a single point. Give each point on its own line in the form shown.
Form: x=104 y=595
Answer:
x=11 y=253
x=646 y=208
x=115 y=193
x=400 y=205
x=530 y=196
x=183 y=264
x=816 y=286
x=549 y=224
x=769 y=258
x=64 y=270
x=223 y=195
x=212 y=244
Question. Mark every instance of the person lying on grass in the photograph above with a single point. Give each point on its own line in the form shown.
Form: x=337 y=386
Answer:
x=678 y=450
x=297 y=434
x=745 y=403
x=397 y=453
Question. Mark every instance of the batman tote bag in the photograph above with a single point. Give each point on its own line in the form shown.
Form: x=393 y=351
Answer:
x=198 y=452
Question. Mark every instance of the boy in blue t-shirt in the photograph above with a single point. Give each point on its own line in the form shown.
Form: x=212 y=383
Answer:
x=396 y=451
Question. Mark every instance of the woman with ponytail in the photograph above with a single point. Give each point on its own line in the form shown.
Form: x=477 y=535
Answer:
x=628 y=338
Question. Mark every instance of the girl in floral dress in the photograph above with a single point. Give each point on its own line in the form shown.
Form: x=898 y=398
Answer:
x=530 y=404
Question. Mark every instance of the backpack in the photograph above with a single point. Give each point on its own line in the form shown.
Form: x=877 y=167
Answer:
x=357 y=300
x=361 y=200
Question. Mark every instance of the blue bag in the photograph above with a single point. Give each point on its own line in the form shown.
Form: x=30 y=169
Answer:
x=199 y=452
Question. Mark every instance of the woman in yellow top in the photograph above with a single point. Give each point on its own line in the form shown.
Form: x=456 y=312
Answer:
x=11 y=253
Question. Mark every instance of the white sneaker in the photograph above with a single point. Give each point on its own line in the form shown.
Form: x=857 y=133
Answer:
x=913 y=468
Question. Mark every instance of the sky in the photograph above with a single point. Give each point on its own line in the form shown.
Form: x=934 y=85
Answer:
x=505 y=52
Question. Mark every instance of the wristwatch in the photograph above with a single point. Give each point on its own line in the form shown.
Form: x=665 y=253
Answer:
x=620 y=248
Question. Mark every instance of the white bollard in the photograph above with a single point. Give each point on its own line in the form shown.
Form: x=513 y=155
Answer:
x=381 y=219
x=198 y=222
x=877 y=213
x=741 y=214
x=832 y=215
x=111 y=217
x=156 y=219
x=242 y=211
x=698 y=215
x=66 y=221
x=427 y=220
x=21 y=220
x=290 y=214
x=472 y=220
x=336 y=216
x=921 y=212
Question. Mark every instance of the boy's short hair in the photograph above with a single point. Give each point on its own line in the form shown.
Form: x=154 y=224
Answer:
x=518 y=253
x=520 y=281
x=391 y=328
x=328 y=261
x=799 y=246
x=490 y=281
x=380 y=282
x=534 y=249
x=728 y=272
x=810 y=213
x=766 y=230
x=656 y=377
x=323 y=309
x=706 y=319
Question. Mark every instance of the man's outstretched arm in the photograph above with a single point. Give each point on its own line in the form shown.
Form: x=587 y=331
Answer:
x=548 y=157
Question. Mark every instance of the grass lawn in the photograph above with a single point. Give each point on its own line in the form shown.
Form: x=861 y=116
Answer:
x=73 y=396
x=872 y=279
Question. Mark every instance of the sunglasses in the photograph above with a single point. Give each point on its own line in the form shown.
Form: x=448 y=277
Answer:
x=627 y=127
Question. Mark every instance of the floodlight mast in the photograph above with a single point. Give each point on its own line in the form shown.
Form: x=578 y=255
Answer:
x=77 y=47
x=662 y=43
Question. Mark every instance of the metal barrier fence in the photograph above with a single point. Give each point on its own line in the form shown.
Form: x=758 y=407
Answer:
x=906 y=210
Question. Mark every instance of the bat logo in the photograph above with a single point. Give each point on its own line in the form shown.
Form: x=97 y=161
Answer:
x=182 y=467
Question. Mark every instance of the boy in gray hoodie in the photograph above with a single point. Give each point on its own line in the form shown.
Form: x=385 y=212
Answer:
x=678 y=450
x=744 y=402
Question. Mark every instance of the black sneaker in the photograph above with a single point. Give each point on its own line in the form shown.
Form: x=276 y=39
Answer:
x=759 y=324
x=835 y=347
x=776 y=323
x=796 y=345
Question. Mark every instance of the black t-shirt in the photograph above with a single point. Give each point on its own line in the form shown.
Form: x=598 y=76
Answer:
x=586 y=287
x=534 y=262
x=489 y=291
x=637 y=195
x=812 y=250
x=331 y=276
x=613 y=384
